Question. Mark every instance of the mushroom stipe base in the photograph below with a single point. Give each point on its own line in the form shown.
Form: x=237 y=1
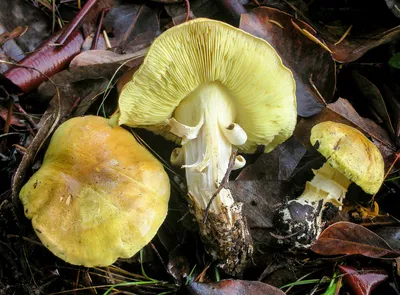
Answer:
x=229 y=243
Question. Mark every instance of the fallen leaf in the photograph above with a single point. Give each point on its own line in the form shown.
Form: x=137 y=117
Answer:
x=178 y=263
x=394 y=107
x=199 y=8
x=374 y=98
x=133 y=26
x=261 y=199
x=312 y=66
x=391 y=235
x=93 y=57
x=22 y=13
x=11 y=48
x=363 y=281
x=237 y=287
x=346 y=238
x=276 y=165
x=394 y=6
x=351 y=49
x=17 y=32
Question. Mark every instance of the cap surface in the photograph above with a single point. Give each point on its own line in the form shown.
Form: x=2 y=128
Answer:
x=202 y=51
x=349 y=151
x=99 y=194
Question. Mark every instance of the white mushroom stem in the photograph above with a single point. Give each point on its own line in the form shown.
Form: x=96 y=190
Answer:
x=210 y=110
x=239 y=162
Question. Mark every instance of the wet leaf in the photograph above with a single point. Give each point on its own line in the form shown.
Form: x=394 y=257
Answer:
x=134 y=26
x=394 y=61
x=276 y=165
x=312 y=66
x=363 y=281
x=261 y=199
x=178 y=263
x=237 y=287
x=391 y=235
x=199 y=8
x=349 y=238
x=23 y=13
x=374 y=98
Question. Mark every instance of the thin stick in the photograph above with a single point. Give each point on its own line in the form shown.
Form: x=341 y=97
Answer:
x=222 y=184
x=187 y=10
x=77 y=21
x=26 y=115
x=100 y=25
x=344 y=35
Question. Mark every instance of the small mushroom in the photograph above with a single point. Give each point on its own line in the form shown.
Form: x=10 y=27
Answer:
x=213 y=88
x=351 y=157
x=99 y=195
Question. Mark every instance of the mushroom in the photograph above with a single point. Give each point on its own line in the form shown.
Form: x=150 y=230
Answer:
x=213 y=88
x=99 y=195
x=350 y=157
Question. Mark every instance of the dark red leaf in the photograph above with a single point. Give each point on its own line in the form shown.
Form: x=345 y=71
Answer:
x=349 y=238
x=363 y=281
x=312 y=66
x=237 y=287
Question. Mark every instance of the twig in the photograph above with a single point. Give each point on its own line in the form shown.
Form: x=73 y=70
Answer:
x=26 y=115
x=187 y=10
x=100 y=25
x=159 y=257
x=311 y=37
x=78 y=20
x=224 y=181
x=344 y=36
x=317 y=91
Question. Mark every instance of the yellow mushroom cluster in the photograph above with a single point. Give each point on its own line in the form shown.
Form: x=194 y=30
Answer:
x=213 y=89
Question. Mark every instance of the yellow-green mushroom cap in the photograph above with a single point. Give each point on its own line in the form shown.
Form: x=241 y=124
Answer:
x=350 y=152
x=205 y=52
x=99 y=195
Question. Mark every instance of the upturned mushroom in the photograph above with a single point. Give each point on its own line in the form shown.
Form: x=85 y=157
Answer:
x=99 y=195
x=351 y=157
x=213 y=88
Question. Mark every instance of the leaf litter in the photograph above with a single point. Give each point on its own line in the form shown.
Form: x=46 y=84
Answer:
x=176 y=259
